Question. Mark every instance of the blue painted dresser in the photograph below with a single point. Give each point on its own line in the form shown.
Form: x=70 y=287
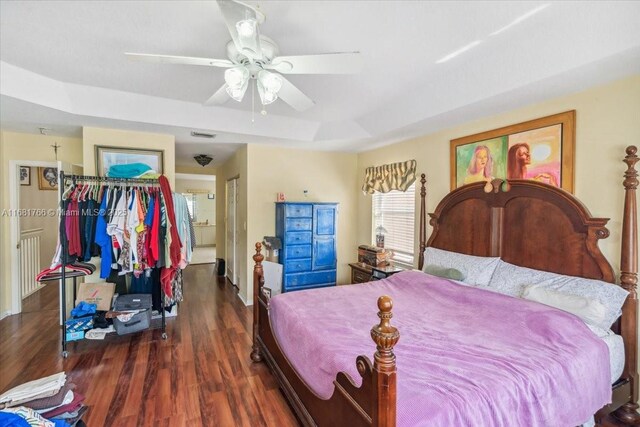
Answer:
x=308 y=234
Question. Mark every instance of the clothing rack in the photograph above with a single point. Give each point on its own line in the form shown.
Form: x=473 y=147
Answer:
x=73 y=180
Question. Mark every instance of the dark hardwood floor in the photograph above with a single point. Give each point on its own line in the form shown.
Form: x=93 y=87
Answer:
x=201 y=375
x=44 y=299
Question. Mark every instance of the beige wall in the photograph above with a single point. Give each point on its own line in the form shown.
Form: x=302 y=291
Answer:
x=22 y=146
x=327 y=177
x=607 y=121
x=198 y=170
x=182 y=185
x=236 y=166
x=128 y=139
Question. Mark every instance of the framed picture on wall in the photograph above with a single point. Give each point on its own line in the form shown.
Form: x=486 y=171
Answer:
x=106 y=157
x=25 y=175
x=540 y=150
x=47 y=178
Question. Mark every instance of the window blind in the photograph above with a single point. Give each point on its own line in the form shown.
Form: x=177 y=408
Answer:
x=395 y=211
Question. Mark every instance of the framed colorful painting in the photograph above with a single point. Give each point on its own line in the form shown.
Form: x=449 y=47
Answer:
x=106 y=157
x=540 y=150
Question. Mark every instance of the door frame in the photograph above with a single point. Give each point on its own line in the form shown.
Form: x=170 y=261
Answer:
x=14 y=226
x=234 y=278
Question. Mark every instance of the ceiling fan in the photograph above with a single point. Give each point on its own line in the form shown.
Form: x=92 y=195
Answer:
x=254 y=57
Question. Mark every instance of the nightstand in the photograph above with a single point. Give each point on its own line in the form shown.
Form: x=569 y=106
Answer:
x=378 y=273
x=360 y=272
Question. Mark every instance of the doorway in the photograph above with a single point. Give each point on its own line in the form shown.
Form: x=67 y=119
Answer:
x=34 y=194
x=199 y=192
x=231 y=231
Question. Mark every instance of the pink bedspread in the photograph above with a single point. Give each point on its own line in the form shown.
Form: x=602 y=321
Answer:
x=466 y=356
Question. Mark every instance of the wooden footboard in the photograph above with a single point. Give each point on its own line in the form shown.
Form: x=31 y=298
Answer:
x=371 y=404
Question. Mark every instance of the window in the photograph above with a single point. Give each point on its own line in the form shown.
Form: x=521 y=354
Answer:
x=191 y=204
x=395 y=211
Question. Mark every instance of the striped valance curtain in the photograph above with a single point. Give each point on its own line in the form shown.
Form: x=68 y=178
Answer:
x=394 y=176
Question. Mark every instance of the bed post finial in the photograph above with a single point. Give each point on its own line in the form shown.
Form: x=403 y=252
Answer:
x=629 y=281
x=423 y=221
x=258 y=282
x=384 y=366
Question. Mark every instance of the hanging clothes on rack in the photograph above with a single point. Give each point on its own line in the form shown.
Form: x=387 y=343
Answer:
x=132 y=226
x=138 y=228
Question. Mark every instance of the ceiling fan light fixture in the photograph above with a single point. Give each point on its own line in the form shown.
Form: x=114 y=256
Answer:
x=236 y=77
x=269 y=84
x=237 y=80
x=237 y=93
x=270 y=81
x=246 y=27
x=266 y=97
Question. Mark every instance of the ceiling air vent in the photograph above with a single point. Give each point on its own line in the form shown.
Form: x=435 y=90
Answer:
x=202 y=134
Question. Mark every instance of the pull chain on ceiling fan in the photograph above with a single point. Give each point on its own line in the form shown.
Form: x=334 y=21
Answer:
x=253 y=56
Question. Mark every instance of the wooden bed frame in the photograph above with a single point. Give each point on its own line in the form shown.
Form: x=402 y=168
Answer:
x=525 y=223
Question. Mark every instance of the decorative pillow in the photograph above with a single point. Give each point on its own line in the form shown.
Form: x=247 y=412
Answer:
x=510 y=279
x=591 y=311
x=447 y=273
x=476 y=270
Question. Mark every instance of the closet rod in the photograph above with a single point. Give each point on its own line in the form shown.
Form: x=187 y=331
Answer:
x=108 y=179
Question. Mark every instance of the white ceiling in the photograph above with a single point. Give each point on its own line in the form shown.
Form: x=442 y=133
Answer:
x=62 y=66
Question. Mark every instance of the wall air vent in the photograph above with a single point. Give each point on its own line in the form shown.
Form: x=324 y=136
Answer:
x=202 y=134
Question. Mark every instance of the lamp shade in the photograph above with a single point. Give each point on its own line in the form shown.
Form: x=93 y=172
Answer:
x=246 y=27
x=203 y=160
x=269 y=84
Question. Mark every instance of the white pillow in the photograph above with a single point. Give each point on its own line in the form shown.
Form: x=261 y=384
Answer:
x=591 y=311
x=510 y=279
x=477 y=270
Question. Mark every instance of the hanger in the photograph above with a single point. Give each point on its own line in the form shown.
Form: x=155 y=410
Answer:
x=65 y=195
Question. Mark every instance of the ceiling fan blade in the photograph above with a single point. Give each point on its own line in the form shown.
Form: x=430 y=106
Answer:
x=328 y=63
x=220 y=97
x=235 y=11
x=187 y=60
x=294 y=96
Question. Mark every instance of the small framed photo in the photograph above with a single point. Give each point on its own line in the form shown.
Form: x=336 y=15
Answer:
x=211 y=196
x=25 y=175
x=48 y=178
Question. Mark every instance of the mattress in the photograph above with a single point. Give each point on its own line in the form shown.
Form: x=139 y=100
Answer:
x=464 y=354
x=616 y=352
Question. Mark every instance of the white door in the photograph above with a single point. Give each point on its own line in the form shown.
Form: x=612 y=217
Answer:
x=232 y=198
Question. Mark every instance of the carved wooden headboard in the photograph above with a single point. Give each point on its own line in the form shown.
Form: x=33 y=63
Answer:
x=534 y=225
x=525 y=223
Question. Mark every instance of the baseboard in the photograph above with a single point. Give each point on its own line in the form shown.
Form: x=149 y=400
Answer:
x=5 y=314
x=246 y=302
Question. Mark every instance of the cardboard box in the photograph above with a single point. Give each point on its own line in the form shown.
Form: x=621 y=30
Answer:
x=75 y=336
x=96 y=293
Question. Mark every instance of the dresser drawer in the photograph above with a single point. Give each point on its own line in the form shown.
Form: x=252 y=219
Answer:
x=303 y=279
x=298 y=210
x=296 y=265
x=297 y=237
x=297 y=251
x=360 y=276
x=296 y=224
